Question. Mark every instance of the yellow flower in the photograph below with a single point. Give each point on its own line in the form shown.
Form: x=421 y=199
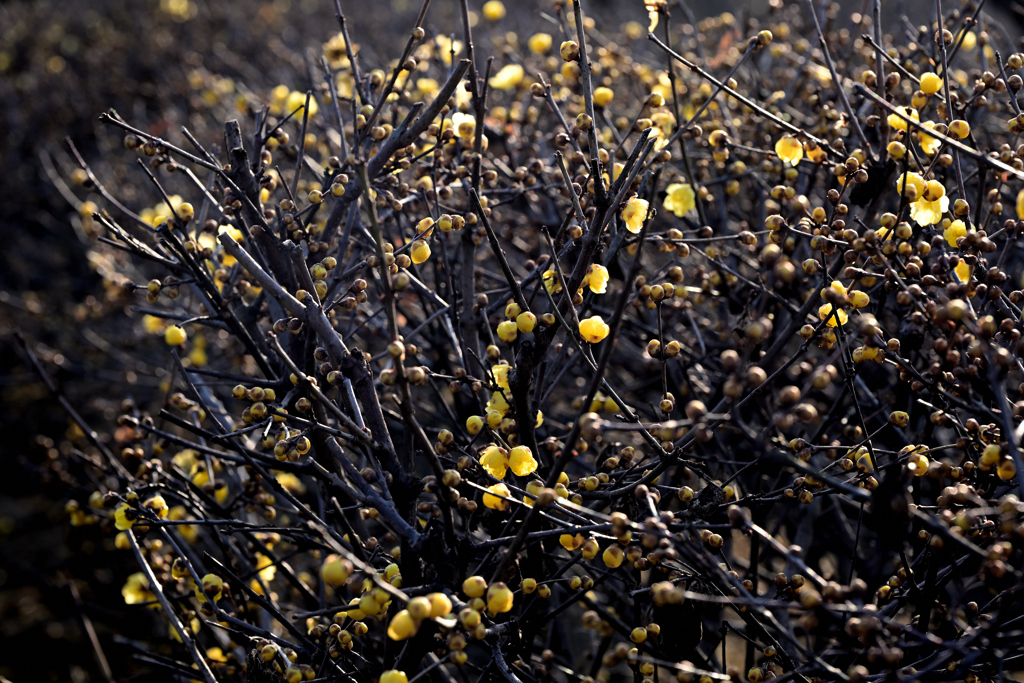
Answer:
x=402 y=626
x=394 y=676
x=681 y=199
x=1020 y=205
x=929 y=144
x=897 y=123
x=956 y=230
x=494 y=10
x=789 y=150
x=634 y=214
x=931 y=83
x=445 y=48
x=498 y=403
x=507 y=331
x=594 y=329
x=175 y=336
x=826 y=312
x=121 y=520
x=136 y=590
x=474 y=423
x=521 y=461
x=603 y=96
x=497 y=497
x=419 y=252
x=500 y=373
x=596 y=278
x=927 y=212
x=539 y=43
x=297 y=100
x=508 y=78
x=551 y=282
x=570 y=542
x=911 y=179
x=963 y=271
x=465 y=125
x=494 y=460
x=155 y=325
x=499 y=598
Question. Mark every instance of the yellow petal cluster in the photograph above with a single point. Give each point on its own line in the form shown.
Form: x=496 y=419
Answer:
x=789 y=150
x=634 y=214
x=594 y=329
x=681 y=199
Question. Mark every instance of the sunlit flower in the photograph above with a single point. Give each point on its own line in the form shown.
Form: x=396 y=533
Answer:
x=508 y=78
x=1020 y=205
x=681 y=199
x=897 y=123
x=521 y=461
x=465 y=125
x=931 y=83
x=963 y=271
x=929 y=211
x=497 y=497
x=551 y=282
x=136 y=590
x=594 y=329
x=911 y=179
x=596 y=278
x=634 y=214
x=494 y=460
x=929 y=144
x=539 y=43
x=825 y=311
x=500 y=373
x=955 y=231
x=789 y=150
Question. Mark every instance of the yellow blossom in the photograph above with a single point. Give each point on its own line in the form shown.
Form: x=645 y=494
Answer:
x=445 y=48
x=594 y=329
x=500 y=373
x=551 y=282
x=494 y=10
x=465 y=125
x=121 y=520
x=539 y=43
x=603 y=96
x=911 y=179
x=825 y=312
x=931 y=83
x=521 y=461
x=497 y=497
x=1020 y=205
x=508 y=78
x=789 y=150
x=897 y=123
x=681 y=199
x=420 y=251
x=963 y=271
x=929 y=212
x=956 y=230
x=498 y=403
x=929 y=144
x=494 y=460
x=136 y=590
x=596 y=278
x=634 y=214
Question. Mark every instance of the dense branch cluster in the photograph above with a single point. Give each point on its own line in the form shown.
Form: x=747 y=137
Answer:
x=691 y=357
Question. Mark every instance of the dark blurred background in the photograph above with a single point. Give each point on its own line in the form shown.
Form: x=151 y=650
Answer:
x=61 y=64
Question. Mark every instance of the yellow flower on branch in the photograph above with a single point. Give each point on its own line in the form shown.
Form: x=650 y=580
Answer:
x=634 y=214
x=789 y=150
x=681 y=199
x=594 y=329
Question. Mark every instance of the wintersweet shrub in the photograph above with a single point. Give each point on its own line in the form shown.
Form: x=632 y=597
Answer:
x=590 y=360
